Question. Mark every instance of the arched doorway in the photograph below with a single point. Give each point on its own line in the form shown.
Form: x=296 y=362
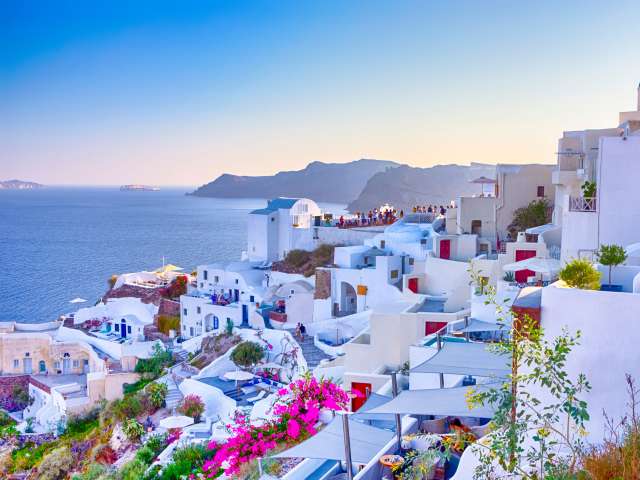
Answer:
x=348 y=299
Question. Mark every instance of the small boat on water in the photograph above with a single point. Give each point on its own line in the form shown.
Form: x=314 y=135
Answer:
x=138 y=188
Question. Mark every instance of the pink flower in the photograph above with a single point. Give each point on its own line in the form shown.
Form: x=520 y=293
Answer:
x=293 y=429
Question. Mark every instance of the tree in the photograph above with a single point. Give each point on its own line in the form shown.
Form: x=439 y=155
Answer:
x=531 y=438
x=538 y=212
x=133 y=429
x=192 y=406
x=247 y=354
x=611 y=256
x=580 y=273
x=157 y=393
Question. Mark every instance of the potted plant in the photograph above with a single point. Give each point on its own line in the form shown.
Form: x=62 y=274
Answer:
x=589 y=189
x=580 y=273
x=509 y=277
x=611 y=256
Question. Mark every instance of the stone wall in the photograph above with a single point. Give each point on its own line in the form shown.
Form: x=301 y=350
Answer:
x=147 y=295
x=323 y=284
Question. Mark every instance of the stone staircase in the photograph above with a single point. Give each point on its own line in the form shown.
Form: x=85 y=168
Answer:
x=174 y=395
x=311 y=353
x=180 y=355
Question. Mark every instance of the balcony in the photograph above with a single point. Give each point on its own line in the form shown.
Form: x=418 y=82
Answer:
x=582 y=204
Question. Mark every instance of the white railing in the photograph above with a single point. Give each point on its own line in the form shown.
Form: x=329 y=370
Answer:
x=582 y=204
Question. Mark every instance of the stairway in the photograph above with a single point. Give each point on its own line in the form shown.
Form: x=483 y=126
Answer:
x=180 y=355
x=174 y=395
x=312 y=354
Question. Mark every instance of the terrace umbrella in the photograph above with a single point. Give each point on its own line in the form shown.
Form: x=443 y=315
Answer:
x=545 y=266
x=484 y=181
x=270 y=365
x=168 y=268
x=238 y=375
x=176 y=421
x=77 y=300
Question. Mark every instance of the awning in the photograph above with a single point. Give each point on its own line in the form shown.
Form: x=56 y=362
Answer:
x=484 y=181
x=549 y=266
x=374 y=401
x=438 y=401
x=366 y=441
x=540 y=229
x=466 y=358
x=482 y=326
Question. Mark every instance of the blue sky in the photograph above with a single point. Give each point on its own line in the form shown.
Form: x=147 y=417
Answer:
x=110 y=92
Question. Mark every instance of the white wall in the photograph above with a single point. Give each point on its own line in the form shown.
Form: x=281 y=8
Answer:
x=609 y=345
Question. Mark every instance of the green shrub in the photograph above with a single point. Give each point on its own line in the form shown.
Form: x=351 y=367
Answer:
x=580 y=273
x=56 y=464
x=192 y=406
x=154 y=366
x=129 y=406
x=157 y=392
x=538 y=212
x=131 y=388
x=133 y=470
x=156 y=443
x=297 y=258
x=589 y=189
x=133 y=429
x=229 y=327
x=145 y=455
x=168 y=322
x=247 y=354
x=95 y=471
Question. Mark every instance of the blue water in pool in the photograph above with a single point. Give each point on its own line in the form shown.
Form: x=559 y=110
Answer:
x=60 y=243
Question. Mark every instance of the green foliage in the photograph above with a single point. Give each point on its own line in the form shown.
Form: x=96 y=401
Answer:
x=79 y=425
x=611 y=256
x=509 y=277
x=247 y=354
x=229 y=327
x=130 y=388
x=192 y=406
x=133 y=429
x=156 y=443
x=588 y=189
x=133 y=470
x=129 y=406
x=168 y=322
x=297 y=258
x=157 y=392
x=95 y=471
x=186 y=460
x=555 y=425
x=580 y=273
x=56 y=464
x=154 y=366
x=538 y=212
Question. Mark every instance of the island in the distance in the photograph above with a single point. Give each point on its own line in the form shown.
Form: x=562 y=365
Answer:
x=19 y=185
x=139 y=188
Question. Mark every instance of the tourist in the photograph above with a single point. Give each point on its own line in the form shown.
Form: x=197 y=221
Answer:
x=442 y=210
x=303 y=331
x=297 y=333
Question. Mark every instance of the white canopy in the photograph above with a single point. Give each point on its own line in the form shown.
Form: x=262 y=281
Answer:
x=375 y=400
x=366 y=441
x=549 y=266
x=466 y=358
x=176 y=421
x=476 y=325
x=77 y=300
x=439 y=401
x=238 y=375
x=540 y=229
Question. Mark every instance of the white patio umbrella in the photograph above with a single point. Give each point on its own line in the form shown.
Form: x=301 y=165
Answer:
x=77 y=300
x=176 y=421
x=548 y=266
x=238 y=375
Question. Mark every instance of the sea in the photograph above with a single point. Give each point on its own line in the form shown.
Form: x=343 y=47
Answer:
x=57 y=244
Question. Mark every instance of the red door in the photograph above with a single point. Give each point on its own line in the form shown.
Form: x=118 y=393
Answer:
x=364 y=389
x=522 y=275
x=445 y=249
x=433 y=327
x=413 y=285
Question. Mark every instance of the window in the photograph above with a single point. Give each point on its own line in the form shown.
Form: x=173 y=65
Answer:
x=382 y=243
x=191 y=331
x=292 y=291
x=412 y=260
x=476 y=227
x=184 y=312
x=273 y=219
x=42 y=366
x=76 y=363
x=56 y=365
x=206 y=275
x=540 y=191
x=199 y=310
x=237 y=281
x=216 y=279
x=201 y=284
x=16 y=363
x=129 y=329
x=394 y=274
x=216 y=323
x=252 y=299
x=117 y=327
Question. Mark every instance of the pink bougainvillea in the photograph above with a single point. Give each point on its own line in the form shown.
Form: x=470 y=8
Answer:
x=296 y=414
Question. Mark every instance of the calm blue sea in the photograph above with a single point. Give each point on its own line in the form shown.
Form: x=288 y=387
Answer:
x=60 y=243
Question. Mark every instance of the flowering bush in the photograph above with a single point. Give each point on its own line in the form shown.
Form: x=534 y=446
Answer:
x=296 y=415
x=192 y=406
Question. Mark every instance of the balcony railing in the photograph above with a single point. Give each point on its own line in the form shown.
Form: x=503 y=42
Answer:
x=582 y=204
x=570 y=161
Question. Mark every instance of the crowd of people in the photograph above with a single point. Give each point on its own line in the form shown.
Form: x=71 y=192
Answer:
x=371 y=218
x=435 y=209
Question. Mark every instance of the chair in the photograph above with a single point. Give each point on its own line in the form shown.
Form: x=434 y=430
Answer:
x=438 y=426
x=258 y=397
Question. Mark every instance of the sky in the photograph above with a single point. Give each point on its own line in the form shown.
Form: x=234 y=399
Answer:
x=178 y=92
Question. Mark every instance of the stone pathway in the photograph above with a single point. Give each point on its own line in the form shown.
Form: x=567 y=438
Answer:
x=312 y=354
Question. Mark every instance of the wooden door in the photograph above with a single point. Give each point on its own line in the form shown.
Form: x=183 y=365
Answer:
x=364 y=389
x=522 y=275
x=445 y=249
x=413 y=285
x=433 y=327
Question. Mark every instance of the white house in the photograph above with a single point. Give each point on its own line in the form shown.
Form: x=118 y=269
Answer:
x=283 y=225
